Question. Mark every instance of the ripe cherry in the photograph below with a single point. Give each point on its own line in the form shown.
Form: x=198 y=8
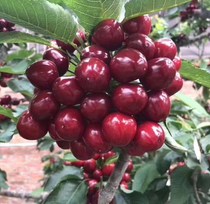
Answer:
x=130 y=99
x=90 y=166
x=69 y=124
x=31 y=129
x=5 y=100
x=98 y=175
x=158 y=106
x=59 y=58
x=108 y=34
x=42 y=74
x=130 y=167
x=177 y=62
x=119 y=129
x=63 y=144
x=134 y=150
x=160 y=74
x=108 y=170
x=93 y=75
x=141 y=24
x=128 y=65
x=95 y=107
x=67 y=91
x=53 y=133
x=126 y=178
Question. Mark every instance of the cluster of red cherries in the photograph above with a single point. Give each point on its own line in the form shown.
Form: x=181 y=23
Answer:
x=6 y=26
x=119 y=94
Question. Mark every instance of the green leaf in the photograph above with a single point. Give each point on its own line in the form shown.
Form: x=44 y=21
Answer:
x=144 y=176
x=42 y=17
x=45 y=143
x=72 y=191
x=19 y=37
x=7 y=112
x=57 y=177
x=90 y=13
x=197 y=75
x=7 y=131
x=68 y=156
x=136 y=8
x=3 y=179
x=20 y=55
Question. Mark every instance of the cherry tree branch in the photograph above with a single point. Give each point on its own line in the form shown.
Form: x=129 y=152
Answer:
x=107 y=194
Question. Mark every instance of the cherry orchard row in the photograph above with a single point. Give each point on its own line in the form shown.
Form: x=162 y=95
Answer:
x=119 y=93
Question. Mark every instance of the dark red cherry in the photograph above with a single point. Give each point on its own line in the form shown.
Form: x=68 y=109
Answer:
x=108 y=170
x=97 y=175
x=158 y=106
x=93 y=138
x=93 y=75
x=160 y=74
x=53 y=133
x=95 y=107
x=119 y=129
x=42 y=74
x=69 y=124
x=90 y=166
x=126 y=178
x=80 y=150
x=108 y=34
x=44 y=106
x=63 y=144
x=5 y=100
x=60 y=59
x=3 y=23
x=31 y=129
x=130 y=99
x=130 y=167
x=141 y=43
x=140 y=24
x=67 y=91
x=96 y=51
x=134 y=150
x=150 y=136
x=128 y=65
x=165 y=48
x=177 y=62
x=175 y=86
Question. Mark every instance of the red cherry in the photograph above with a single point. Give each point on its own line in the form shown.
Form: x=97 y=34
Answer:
x=158 y=106
x=165 y=48
x=134 y=150
x=128 y=65
x=96 y=51
x=90 y=166
x=78 y=163
x=80 y=150
x=93 y=138
x=53 y=133
x=42 y=74
x=119 y=129
x=108 y=155
x=160 y=74
x=5 y=100
x=108 y=34
x=130 y=167
x=93 y=75
x=177 y=62
x=95 y=107
x=31 y=129
x=98 y=175
x=130 y=99
x=140 y=24
x=141 y=43
x=59 y=58
x=175 y=86
x=124 y=184
x=44 y=106
x=69 y=124
x=67 y=91
x=92 y=186
x=150 y=136
x=126 y=178
x=63 y=144
x=108 y=170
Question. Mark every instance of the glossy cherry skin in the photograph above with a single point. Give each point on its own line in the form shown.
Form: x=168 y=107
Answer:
x=44 y=106
x=93 y=75
x=150 y=136
x=42 y=74
x=67 y=91
x=53 y=133
x=126 y=178
x=108 y=170
x=130 y=99
x=178 y=63
x=130 y=167
x=160 y=74
x=80 y=150
x=175 y=86
x=128 y=65
x=90 y=166
x=69 y=124
x=119 y=129
x=93 y=138
x=141 y=43
x=95 y=107
x=59 y=58
x=96 y=51
x=134 y=150
x=63 y=144
x=108 y=34
x=158 y=106
x=98 y=175
x=141 y=24
x=165 y=48
x=31 y=129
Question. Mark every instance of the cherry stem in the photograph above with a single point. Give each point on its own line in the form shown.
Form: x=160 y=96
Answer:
x=107 y=193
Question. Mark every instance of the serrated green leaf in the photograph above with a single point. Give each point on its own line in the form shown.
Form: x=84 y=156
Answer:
x=19 y=37
x=136 y=8
x=7 y=131
x=197 y=75
x=42 y=17
x=7 y=112
x=90 y=12
x=3 y=179
x=72 y=191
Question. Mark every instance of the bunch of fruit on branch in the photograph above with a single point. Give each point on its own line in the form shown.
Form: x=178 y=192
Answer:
x=115 y=97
